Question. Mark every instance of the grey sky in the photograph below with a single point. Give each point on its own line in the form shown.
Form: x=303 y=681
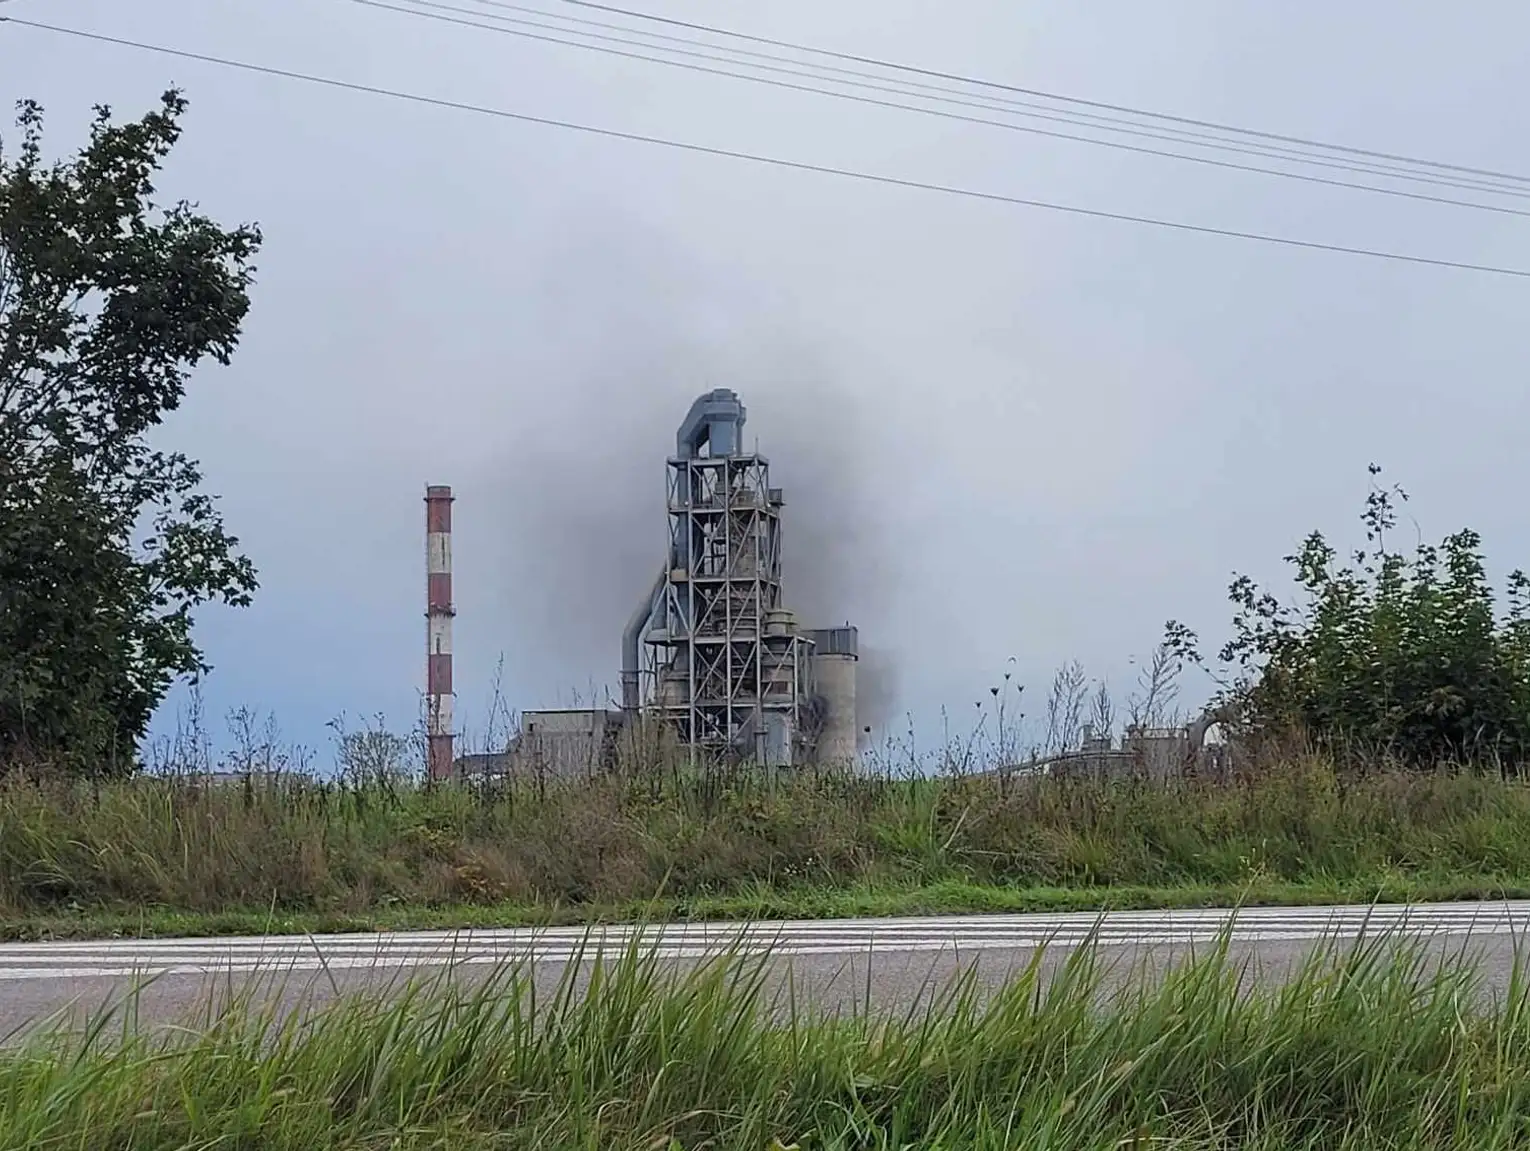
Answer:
x=1003 y=432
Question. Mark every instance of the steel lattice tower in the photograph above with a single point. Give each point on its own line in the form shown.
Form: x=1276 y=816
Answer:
x=726 y=665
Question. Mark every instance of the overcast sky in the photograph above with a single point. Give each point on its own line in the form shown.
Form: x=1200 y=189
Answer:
x=1003 y=432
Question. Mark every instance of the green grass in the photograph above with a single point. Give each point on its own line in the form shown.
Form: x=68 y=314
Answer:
x=1366 y=1046
x=171 y=856
x=952 y=898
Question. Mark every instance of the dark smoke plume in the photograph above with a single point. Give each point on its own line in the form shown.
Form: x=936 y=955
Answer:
x=575 y=504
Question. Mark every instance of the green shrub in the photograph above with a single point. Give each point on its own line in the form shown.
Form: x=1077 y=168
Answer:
x=1389 y=655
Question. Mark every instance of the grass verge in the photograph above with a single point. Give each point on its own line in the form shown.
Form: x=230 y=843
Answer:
x=1365 y=1046
x=952 y=898
x=180 y=855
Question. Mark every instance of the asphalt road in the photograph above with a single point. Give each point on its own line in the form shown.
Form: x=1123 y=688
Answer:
x=834 y=964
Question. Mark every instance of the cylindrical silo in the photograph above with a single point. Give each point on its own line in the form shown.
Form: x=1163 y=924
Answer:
x=835 y=656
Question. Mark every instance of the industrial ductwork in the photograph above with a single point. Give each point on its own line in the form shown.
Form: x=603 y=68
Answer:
x=632 y=642
x=715 y=422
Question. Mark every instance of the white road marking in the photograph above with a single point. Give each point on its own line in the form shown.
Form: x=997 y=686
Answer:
x=425 y=949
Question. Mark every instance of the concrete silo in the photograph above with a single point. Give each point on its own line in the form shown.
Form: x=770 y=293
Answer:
x=835 y=660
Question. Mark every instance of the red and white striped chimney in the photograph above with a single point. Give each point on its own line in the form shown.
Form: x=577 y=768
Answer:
x=438 y=631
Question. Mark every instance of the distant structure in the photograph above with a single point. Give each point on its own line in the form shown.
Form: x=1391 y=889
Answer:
x=835 y=661
x=1157 y=753
x=439 y=732
x=712 y=651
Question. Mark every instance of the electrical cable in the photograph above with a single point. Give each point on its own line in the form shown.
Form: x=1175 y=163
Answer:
x=957 y=77
x=1000 y=103
x=423 y=9
x=770 y=161
x=993 y=104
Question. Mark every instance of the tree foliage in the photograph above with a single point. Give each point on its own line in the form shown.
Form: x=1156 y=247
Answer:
x=1387 y=651
x=108 y=301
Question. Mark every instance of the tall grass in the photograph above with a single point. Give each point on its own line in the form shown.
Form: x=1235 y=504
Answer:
x=295 y=844
x=1367 y=1046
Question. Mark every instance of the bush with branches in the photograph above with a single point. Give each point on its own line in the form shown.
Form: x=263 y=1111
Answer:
x=1402 y=654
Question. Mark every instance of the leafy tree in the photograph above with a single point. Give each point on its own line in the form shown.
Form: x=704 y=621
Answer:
x=108 y=301
x=1389 y=652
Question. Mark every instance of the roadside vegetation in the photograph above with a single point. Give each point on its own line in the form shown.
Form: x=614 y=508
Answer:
x=176 y=854
x=1371 y=1045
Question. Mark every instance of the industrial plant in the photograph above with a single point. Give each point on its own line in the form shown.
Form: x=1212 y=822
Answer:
x=712 y=653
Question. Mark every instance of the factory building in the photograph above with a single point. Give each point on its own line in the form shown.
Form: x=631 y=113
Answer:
x=713 y=652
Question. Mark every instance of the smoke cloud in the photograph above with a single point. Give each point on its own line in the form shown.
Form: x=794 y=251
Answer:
x=877 y=688
x=561 y=533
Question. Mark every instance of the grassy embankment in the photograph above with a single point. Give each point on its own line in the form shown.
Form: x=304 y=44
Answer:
x=170 y=856
x=1361 y=1049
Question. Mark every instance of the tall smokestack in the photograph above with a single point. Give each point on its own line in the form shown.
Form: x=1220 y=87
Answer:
x=438 y=631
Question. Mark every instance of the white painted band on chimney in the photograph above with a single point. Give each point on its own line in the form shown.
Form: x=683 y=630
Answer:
x=438 y=553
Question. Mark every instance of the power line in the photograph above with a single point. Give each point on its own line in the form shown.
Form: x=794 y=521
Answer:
x=1000 y=103
x=991 y=104
x=430 y=10
x=771 y=161
x=1039 y=93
